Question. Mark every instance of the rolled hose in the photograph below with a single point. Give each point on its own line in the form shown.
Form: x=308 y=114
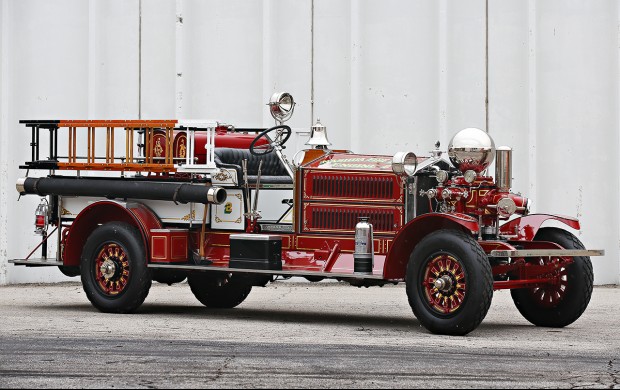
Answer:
x=121 y=189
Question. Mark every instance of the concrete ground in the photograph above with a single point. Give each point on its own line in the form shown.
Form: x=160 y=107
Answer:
x=294 y=335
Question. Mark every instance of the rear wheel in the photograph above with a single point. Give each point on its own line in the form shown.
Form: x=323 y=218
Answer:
x=449 y=283
x=219 y=291
x=563 y=302
x=114 y=272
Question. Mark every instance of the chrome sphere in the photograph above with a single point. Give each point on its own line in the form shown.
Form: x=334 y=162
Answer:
x=471 y=149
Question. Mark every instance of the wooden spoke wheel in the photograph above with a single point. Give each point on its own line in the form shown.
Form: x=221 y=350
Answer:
x=445 y=285
x=449 y=282
x=562 y=302
x=115 y=276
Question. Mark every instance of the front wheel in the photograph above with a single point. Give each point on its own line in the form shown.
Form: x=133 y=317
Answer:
x=563 y=302
x=219 y=291
x=115 y=276
x=449 y=283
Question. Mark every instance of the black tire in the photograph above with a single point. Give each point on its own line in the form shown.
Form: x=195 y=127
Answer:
x=130 y=270
x=169 y=277
x=579 y=280
x=219 y=291
x=314 y=279
x=71 y=272
x=472 y=302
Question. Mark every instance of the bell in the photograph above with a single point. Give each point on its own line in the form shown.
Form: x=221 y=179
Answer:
x=318 y=137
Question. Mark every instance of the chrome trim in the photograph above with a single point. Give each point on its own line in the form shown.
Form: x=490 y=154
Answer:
x=547 y=253
x=503 y=168
x=255 y=237
x=471 y=148
x=216 y=195
x=404 y=163
x=20 y=185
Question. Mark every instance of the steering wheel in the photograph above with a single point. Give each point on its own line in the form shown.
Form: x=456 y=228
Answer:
x=283 y=133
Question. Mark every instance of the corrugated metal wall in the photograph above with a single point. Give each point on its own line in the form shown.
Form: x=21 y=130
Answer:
x=382 y=75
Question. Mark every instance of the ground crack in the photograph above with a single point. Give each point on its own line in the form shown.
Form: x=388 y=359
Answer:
x=220 y=371
x=613 y=373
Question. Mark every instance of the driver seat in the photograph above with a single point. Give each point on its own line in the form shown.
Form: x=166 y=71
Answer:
x=273 y=170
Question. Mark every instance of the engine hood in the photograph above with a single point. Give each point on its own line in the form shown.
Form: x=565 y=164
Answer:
x=342 y=161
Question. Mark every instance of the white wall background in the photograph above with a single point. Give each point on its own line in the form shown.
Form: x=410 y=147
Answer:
x=383 y=76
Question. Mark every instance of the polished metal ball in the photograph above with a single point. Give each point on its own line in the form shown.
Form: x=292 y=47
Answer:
x=471 y=149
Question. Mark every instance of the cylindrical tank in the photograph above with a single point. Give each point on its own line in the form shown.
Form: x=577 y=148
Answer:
x=364 y=251
x=122 y=189
x=223 y=139
x=503 y=168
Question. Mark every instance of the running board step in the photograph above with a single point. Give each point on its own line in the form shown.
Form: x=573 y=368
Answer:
x=267 y=272
x=547 y=253
x=37 y=262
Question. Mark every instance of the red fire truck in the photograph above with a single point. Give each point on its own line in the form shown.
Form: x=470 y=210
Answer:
x=168 y=200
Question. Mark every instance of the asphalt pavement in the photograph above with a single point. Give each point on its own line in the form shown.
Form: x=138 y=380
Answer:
x=293 y=335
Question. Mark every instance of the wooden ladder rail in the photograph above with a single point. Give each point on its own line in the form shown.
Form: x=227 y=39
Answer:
x=150 y=163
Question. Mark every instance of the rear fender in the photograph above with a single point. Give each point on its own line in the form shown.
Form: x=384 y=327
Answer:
x=411 y=234
x=99 y=213
x=525 y=228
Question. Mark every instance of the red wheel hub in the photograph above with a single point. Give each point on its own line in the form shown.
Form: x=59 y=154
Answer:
x=112 y=269
x=551 y=295
x=444 y=284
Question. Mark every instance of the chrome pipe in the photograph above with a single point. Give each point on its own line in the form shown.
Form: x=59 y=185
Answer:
x=503 y=168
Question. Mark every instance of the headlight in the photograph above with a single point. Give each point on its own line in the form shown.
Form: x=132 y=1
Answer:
x=404 y=163
x=281 y=106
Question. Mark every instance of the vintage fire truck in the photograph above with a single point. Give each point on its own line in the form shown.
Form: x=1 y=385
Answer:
x=168 y=200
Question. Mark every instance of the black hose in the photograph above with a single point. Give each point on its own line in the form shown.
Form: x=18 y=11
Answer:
x=122 y=189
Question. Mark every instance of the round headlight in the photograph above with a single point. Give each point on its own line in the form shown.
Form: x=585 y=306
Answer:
x=471 y=149
x=506 y=207
x=281 y=106
x=404 y=163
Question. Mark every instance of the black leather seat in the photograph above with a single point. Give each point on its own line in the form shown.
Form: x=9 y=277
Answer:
x=272 y=171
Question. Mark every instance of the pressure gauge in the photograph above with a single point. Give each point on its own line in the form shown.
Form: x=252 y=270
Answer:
x=442 y=176
x=470 y=176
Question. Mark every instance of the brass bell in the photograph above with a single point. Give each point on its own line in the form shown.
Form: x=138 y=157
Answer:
x=318 y=137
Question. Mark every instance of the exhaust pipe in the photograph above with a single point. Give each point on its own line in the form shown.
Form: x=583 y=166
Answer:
x=503 y=168
x=121 y=189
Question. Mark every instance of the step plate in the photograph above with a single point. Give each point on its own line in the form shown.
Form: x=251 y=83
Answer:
x=37 y=262
x=547 y=253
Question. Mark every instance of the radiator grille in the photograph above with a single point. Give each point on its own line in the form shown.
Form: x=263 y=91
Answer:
x=340 y=218
x=355 y=187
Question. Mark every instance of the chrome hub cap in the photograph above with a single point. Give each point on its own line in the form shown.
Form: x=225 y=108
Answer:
x=108 y=269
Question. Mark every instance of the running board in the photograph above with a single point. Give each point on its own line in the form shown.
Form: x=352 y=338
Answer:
x=37 y=262
x=547 y=253
x=266 y=272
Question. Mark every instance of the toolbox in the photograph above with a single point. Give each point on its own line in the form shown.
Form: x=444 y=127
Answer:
x=256 y=251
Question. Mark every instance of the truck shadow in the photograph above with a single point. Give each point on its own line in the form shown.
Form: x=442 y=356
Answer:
x=363 y=322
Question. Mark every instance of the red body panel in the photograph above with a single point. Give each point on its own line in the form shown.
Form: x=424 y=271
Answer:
x=169 y=245
x=135 y=214
x=525 y=228
x=303 y=253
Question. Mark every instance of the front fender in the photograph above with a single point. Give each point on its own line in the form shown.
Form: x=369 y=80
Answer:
x=411 y=234
x=525 y=228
